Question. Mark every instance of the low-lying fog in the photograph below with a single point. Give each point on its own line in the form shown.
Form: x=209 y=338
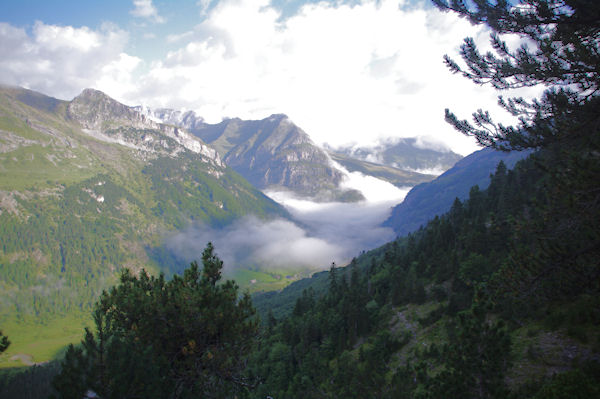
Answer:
x=321 y=233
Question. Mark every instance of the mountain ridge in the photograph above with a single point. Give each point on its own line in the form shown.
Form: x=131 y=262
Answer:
x=271 y=152
x=424 y=201
x=77 y=208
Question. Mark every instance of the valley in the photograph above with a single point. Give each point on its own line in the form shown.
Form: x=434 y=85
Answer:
x=414 y=226
x=90 y=187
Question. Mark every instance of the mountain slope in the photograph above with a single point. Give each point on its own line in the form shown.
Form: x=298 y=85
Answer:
x=405 y=154
x=431 y=314
x=270 y=153
x=89 y=187
x=427 y=200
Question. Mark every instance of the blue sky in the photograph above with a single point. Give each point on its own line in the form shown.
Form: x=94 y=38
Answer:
x=347 y=72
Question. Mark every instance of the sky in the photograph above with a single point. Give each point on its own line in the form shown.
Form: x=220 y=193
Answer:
x=348 y=72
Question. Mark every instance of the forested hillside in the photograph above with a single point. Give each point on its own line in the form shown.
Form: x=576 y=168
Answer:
x=443 y=312
x=424 y=201
x=447 y=311
x=88 y=188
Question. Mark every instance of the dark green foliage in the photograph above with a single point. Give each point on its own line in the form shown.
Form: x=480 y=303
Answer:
x=4 y=342
x=565 y=124
x=565 y=56
x=28 y=383
x=324 y=345
x=580 y=383
x=475 y=359
x=183 y=338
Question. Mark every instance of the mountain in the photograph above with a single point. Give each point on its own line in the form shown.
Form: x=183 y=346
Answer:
x=405 y=154
x=109 y=120
x=434 y=314
x=89 y=187
x=274 y=152
x=398 y=177
x=427 y=200
x=270 y=153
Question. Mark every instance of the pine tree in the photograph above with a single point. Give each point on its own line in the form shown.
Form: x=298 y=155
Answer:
x=4 y=342
x=188 y=337
x=475 y=360
x=563 y=54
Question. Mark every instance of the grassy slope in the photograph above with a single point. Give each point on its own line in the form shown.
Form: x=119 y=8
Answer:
x=61 y=246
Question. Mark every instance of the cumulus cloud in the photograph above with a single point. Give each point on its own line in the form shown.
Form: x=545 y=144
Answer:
x=343 y=72
x=145 y=9
x=62 y=60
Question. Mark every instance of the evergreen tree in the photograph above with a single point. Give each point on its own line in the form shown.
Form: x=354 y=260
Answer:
x=188 y=337
x=4 y=342
x=475 y=360
x=564 y=125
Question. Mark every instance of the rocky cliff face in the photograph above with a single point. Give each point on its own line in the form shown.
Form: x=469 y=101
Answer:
x=107 y=119
x=185 y=119
x=270 y=153
x=274 y=151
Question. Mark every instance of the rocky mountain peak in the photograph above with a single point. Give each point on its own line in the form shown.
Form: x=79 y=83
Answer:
x=110 y=120
x=95 y=110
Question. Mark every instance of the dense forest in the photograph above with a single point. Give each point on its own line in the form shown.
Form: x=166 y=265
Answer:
x=498 y=298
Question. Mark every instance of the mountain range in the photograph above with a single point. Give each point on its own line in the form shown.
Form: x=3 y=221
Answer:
x=274 y=153
x=410 y=154
x=89 y=187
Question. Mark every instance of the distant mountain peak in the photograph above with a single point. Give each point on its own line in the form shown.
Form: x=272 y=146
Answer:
x=107 y=119
x=407 y=153
x=270 y=152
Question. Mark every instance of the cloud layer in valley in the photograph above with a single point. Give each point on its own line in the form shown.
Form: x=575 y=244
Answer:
x=343 y=72
x=321 y=233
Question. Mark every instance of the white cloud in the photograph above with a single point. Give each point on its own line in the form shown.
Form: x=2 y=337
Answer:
x=343 y=73
x=63 y=60
x=374 y=190
x=250 y=241
x=430 y=143
x=323 y=233
x=204 y=6
x=145 y=9
x=173 y=38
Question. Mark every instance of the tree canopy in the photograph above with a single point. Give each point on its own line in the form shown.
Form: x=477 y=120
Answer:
x=560 y=50
x=187 y=337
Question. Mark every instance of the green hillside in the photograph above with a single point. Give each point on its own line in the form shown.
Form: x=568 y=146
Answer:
x=76 y=209
x=431 y=314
